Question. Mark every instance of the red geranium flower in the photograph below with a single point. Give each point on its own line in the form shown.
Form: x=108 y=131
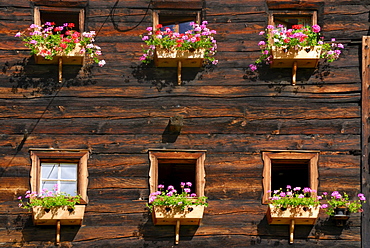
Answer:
x=297 y=26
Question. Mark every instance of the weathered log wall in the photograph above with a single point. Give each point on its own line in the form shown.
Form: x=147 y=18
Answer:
x=121 y=110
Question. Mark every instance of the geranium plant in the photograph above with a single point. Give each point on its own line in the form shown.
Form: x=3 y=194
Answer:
x=48 y=199
x=49 y=41
x=172 y=198
x=297 y=37
x=296 y=197
x=338 y=200
x=198 y=37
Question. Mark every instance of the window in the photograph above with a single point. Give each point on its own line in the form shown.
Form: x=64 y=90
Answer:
x=289 y=18
x=66 y=168
x=170 y=167
x=295 y=168
x=60 y=16
x=177 y=20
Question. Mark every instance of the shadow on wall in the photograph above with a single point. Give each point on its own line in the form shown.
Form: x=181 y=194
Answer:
x=43 y=79
x=165 y=78
x=164 y=234
x=32 y=233
x=323 y=227
x=279 y=77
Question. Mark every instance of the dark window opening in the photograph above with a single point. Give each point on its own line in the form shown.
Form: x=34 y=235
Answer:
x=60 y=18
x=173 y=173
x=289 y=21
x=289 y=172
x=179 y=24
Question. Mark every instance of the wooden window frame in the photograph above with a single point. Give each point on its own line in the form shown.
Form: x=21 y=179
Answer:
x=78 y=156
x=311 y=13
x=157 y=13
x=268 y=156
x=81 y=12
x=198 y=155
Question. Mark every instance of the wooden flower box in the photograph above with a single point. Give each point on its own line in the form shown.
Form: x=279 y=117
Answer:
x=305 y=57
x=165 y=58
x=75 y=57
x=277 y=216
x=62 y=214
x=163 y=215
x=292 y=217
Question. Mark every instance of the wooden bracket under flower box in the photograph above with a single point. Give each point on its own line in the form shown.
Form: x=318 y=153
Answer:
x=303 y=57
x=75 y=57
x=175 y=58
x=292 y=216
x=166 y=215
x=58 y=216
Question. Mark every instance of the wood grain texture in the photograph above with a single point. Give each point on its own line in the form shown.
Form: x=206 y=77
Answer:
x=121 y=110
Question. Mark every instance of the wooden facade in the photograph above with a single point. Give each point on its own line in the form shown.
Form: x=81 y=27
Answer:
x=121 y=111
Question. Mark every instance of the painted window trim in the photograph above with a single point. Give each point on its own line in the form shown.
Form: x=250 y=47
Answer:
x=312 y=13
x=81 y=12
x=267 y=156
x=77 y=155
x=198 y=155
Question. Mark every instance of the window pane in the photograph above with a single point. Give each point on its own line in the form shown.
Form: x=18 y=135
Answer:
x=185 y=26
x=49 y=171
x=289 y=21
x=68 y=187
x=49 y=185
x=68 y=171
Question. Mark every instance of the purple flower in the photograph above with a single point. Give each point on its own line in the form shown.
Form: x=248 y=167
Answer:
x=282 y=194
x=19 y=197
x=270 y=27
x=340 y=45
x=149 y=29
x=253 y=67
x=262 y=33
x=289 y=193
x=325 y=193
x=301 y=196
x=145 y=38
x=33 y=42
x=324 y=206
x=362 y=197
x=193 y=195
x=288 y=187
x=189 y=184
x=17 y=34
x=152 y=198
x=169 y=193
x=187 y=190
x=316 y=28
x=297 y=188
x=306 y=190
x=170 y=187
x=261 y=43
x=215 y=62
x=182 y=184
